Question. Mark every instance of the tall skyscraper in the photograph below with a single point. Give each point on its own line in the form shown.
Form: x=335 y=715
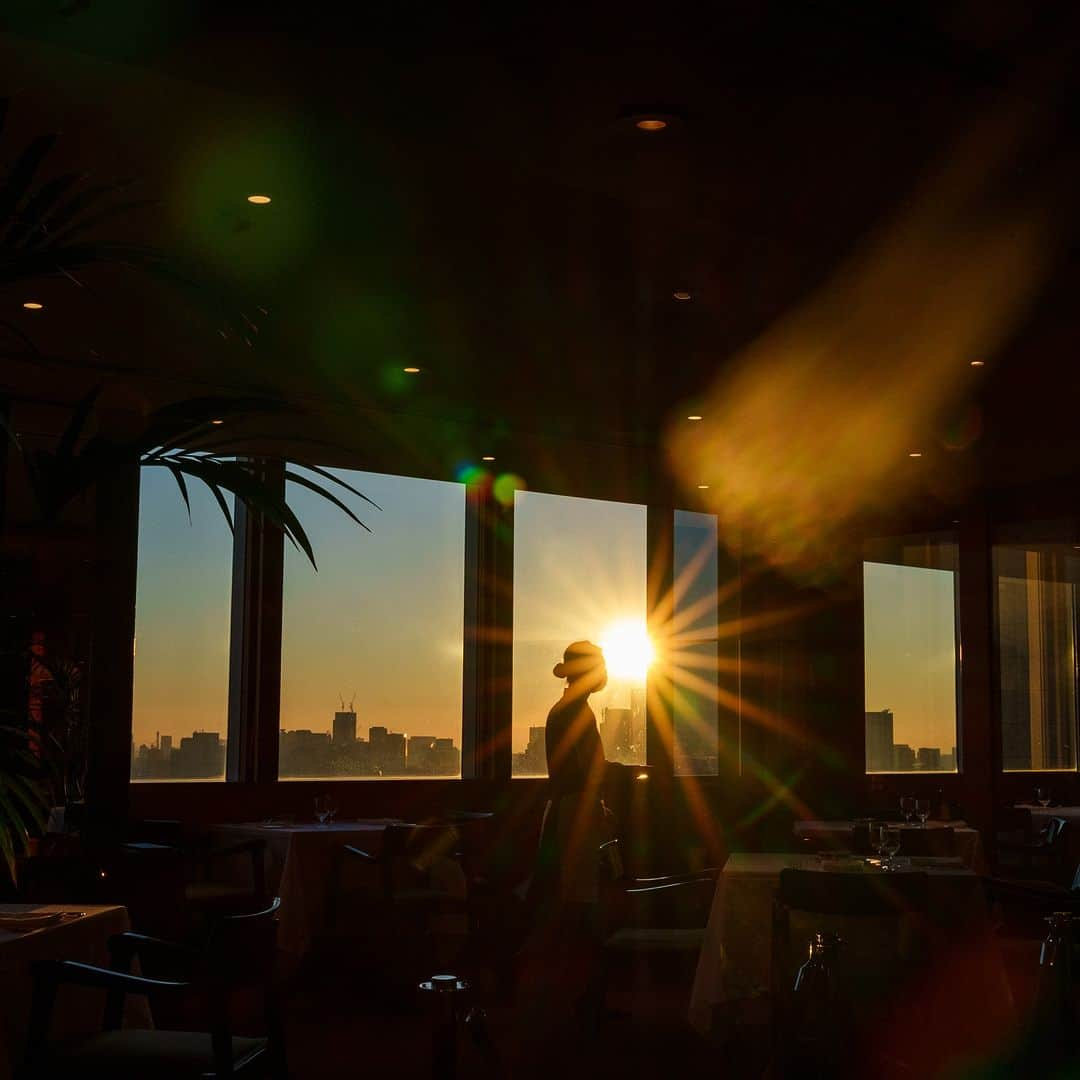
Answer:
x=344 y=727
x=879 y=741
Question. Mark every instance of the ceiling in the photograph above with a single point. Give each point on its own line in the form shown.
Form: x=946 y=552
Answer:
x=463 y=192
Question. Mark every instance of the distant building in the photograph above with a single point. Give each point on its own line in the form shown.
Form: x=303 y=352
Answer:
x=616 y=733
x=532 y=761
x=879 y=741
x=199 y=755
x=930 y=758
x=304 y=753
x=431 y=756
x=387 y=750
x=344 y=728
x=903 y=758
x=166 y=745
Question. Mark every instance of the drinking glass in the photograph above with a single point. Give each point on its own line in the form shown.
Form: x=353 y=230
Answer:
x=1042 y=796
x=907 y=807
x=890 y=843
x=922 y=810
x=877 y=838
x=324 y=809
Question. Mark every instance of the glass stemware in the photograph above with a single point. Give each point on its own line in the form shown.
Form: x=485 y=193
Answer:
x=877 y=838
x=324 y=809
x=890 y=844
x=1042 y=796
x=907 y=807
x=922 y=810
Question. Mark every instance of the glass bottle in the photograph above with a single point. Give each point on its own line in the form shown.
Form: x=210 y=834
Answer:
x=814 y=1038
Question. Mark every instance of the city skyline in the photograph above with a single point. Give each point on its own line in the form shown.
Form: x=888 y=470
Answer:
x=910 y=652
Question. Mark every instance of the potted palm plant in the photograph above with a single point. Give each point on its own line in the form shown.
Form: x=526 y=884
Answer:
x=50 y=226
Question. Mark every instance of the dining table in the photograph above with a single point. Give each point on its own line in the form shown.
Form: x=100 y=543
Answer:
x=64 y=932
x=301 y=862
x=967 y=842
x=966 y=980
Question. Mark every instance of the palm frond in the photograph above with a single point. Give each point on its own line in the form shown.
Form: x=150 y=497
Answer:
x=14 y=189
x=303 y=481
x=326 y=474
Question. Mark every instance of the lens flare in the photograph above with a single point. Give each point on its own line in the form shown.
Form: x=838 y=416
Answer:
x=628 y=649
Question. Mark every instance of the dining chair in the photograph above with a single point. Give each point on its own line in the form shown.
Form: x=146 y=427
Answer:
x=218 y=878
x=876 y=916
x=236 y=957
x=1045 y=851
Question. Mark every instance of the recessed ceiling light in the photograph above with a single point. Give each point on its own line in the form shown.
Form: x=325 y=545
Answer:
x=217 y=421
x=683 y=294
x=978 y=363
x=703 y=487
x=411 y=370
x=650 y=123
x=694 y=416
x=259 y=200
x=915 y=453
x=488 y=457
x=32 y=305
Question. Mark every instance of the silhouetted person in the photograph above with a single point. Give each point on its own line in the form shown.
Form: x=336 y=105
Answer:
x=561 y=960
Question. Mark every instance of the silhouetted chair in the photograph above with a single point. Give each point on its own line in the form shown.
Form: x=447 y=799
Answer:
x=404 y=908
x=1043 y=853
x=877 y=916
x=212 y=885
x=1021 y=906
x=237 y=956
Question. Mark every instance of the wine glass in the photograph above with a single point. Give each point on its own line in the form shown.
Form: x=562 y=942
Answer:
x=877 y=839
x=890 y=843
x=922 y=810
x=324 y=809
x=907 y=807
x=1042 y=796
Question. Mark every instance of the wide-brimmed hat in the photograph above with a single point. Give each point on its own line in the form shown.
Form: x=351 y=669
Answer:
x=581 y=658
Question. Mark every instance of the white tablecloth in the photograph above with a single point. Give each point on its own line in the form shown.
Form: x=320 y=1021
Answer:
x=736 y=955
x=968 y=843
x=78 y=1010
x=300 y=869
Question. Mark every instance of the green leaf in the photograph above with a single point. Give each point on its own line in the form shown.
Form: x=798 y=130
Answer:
x=337 y=480
x=56 y=223
x=296 y=478
x=65 y=448
x=15 y=188
x=181 y=483
x=29 y=220
x=216 y=492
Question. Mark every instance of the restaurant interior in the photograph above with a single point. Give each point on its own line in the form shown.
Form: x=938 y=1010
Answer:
x=653 y=394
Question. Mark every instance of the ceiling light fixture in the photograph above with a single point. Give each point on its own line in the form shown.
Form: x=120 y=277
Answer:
x=694 y=416
x=978 y=363
x=683 y=294
x=915 y=453
x=259 y=200
x=650 y=123
x=32 y=305
x=703 y=487
x=217 y=422
x=488 y=457
x=411 y=370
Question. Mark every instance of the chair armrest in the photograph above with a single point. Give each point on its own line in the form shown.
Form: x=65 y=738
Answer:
x=60 y=972
x=123 y=948
x=639 y=886
x=361 y=854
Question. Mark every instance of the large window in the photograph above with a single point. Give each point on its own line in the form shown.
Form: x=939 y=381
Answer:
x=1036 y=609
x=182 y=607
x=580 y=572
x=372 y=644
x=910 y=641
x=695 y=648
